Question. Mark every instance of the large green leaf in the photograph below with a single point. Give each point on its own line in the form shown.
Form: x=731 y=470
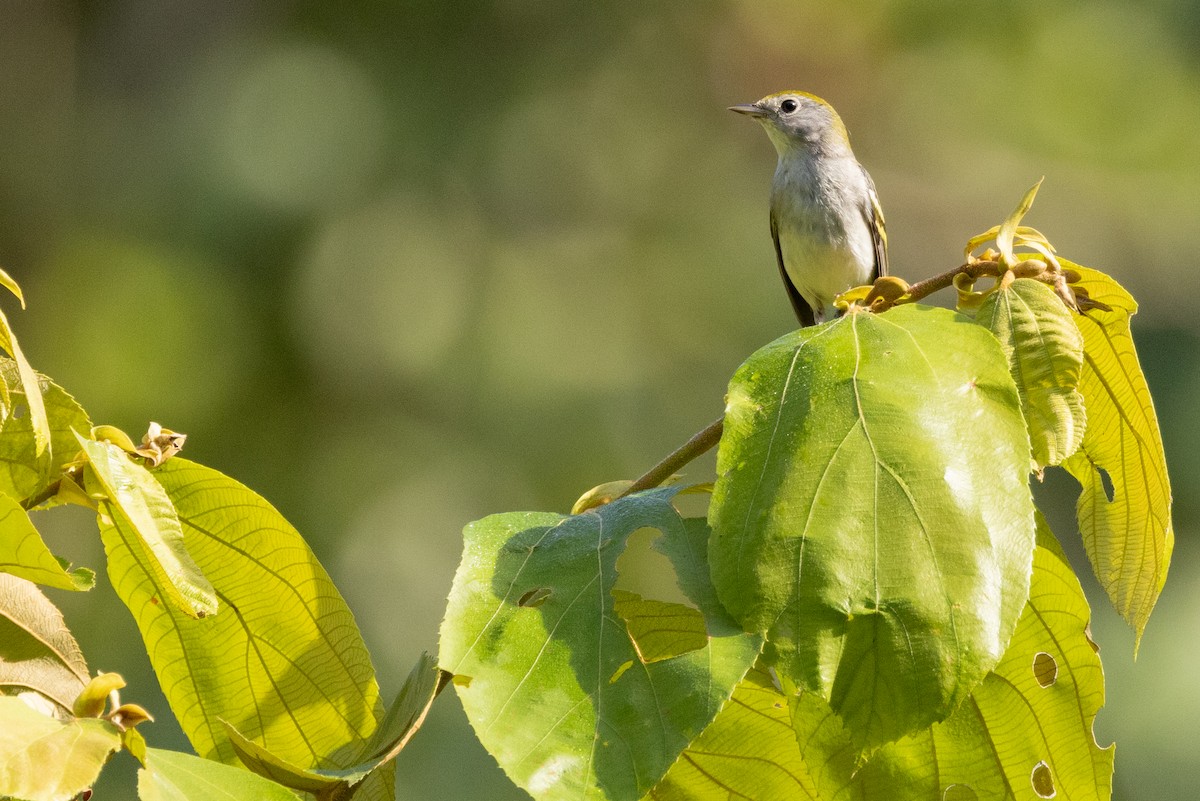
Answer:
x=45 y=759
x=24 y=554
x=172 y=776
x=139 y=510
x=547 y=671
x=283 y=662
x=871 y=512
x=1126 y=528
x=37 y=650
x=1045 y=356
x=23 y=473
x=749 y=751
x=1024 y=733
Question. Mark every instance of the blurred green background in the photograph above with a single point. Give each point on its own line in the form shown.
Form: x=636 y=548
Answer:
x=400 y=265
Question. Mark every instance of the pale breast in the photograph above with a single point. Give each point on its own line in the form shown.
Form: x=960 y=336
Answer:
x=825 y=261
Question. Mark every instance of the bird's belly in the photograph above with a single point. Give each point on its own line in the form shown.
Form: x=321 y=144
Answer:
x=822 y=268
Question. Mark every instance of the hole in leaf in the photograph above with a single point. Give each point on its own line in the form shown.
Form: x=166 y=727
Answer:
x=1106 y=482
x=534 y=598
x=1043 y=781
x=1045 y=669
x=644 y=570
x=959 y=792
x=19 y=411
x=660 y=619
x=693 y=501
x=620 y=671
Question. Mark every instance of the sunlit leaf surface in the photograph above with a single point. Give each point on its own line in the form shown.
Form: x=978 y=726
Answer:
x=144 y=517
x=404 y=717
x=37 y=650
x=30 y=381
x=283 y=661
x=871 y=512
x=44 y=759
x=749 y=751
x=24 y=554
x=546 y=669
x=23 y=474
x=1045 y=356
x=1124 y=509
x=172 y=776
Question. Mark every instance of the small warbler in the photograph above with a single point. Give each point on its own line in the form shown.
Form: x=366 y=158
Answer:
x=825 y=215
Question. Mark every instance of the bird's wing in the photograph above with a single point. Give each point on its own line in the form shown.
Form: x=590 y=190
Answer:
x=804 y=312
x=873 y=213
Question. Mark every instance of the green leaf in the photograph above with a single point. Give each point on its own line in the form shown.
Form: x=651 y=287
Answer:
x=1045 y=356
x=1025 y=732
x=547 y=672
x=1008 y=229
x=172 y=776
x=37 y=650
x=144 y=517
x=44 y=759
x=749 y=751
x=24 y=554
x=871 y=512
x=408 y=710
x=23 y=474
x=39 y=422
x=403 y=718
x=268 y=765
x=12 y=286
x=284 y=662
x=1129 y=538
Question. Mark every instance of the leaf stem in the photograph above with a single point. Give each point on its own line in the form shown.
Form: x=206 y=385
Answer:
x=699 y=444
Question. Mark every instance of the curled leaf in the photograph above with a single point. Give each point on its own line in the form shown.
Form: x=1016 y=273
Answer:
x=91 y=701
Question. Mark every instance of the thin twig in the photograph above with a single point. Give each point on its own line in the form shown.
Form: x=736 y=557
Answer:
x=702 y=442
x=975 y=269
x=46 y=494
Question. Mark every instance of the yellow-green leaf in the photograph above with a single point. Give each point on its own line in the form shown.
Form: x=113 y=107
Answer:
x=12 y=286
x=1008 y=229
x=283 y=662
x=145 y=518
x=44 y=759
x=749 y=751
x=1045 y=356
x=29 y=380
x=403 y=719
x=23 y=552
x=92 y=699
x=1126 y=525
x=23 y=474
x=660 y=629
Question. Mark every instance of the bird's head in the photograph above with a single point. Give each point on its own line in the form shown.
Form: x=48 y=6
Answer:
x=798 y=121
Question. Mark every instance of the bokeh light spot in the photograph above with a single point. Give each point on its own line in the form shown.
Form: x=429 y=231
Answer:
x=303 y=127
x=384 y=291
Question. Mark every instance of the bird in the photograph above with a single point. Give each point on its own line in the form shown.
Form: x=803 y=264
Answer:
x=826 y=220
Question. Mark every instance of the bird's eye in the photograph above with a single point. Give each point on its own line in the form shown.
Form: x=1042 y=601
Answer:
x=788 y=106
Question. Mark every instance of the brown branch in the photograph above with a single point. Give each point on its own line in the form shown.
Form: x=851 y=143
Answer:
x=699 y=444
x=975 y=269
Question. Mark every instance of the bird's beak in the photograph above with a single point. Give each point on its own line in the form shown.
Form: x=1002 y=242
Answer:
x=750 y=110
